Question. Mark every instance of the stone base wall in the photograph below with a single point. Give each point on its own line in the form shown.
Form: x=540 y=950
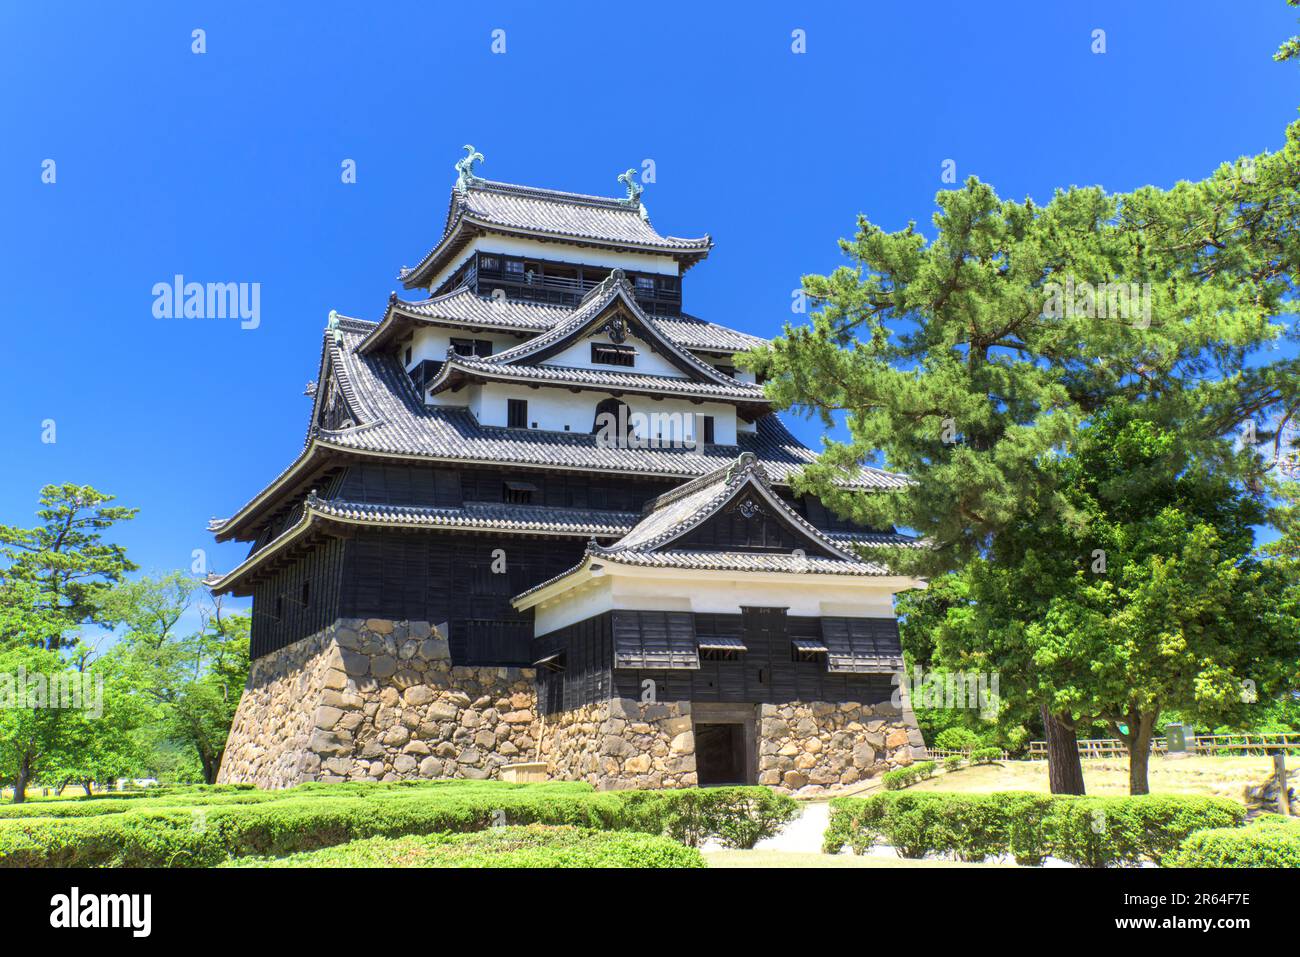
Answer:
x=622 y=744
x=378 y=700
x=268 y=741
x=813 y=746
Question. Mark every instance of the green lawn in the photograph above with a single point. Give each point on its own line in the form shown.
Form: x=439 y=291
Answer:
x=1198 y=774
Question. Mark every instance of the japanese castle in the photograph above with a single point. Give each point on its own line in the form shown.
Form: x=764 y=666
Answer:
x=542 y=526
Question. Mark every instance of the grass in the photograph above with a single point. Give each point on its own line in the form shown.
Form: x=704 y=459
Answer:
x=530 y=846
x=1197 y=774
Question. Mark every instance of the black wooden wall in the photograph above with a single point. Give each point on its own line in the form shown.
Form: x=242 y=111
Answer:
x=765 y=673
x=449 y=488
x=436 y=577
x=284 y=613
x=440 y=577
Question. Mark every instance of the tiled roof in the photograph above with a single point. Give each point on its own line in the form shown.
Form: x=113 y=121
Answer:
x=595 y=378
x=481 y=517
x=694 y=333
x=486 y=516
x=671 y=515
x=462 y=307
x=568 y=214
x=742 y=562
x=404 y=426
x=667 y=518
x=596 y=304
x=504 y=207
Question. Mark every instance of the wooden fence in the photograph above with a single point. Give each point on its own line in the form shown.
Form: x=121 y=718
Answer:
x=1284 y=742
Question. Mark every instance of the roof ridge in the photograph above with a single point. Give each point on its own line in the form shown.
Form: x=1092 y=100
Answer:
x=544 y=192
x=693 y=486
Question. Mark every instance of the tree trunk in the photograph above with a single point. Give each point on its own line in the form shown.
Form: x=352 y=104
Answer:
x=86 y=786
x=1139 y=754
x=210 y=766
x=1064 y=772
x=20 y=782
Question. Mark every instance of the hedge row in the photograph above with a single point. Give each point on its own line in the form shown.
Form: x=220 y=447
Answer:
x=1269 y=841
x=327 y=815
x=901 y=778
x=535 y=845
x=1087 y=831
x=190 y=796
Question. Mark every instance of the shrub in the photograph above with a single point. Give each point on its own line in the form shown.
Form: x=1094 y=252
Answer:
x=738 y=817
x=953 y=762
x=901 y=778
x=168 y=833
x=1269 y=841
x=534 y=845
x=985 y=755
x=957 y=739
x=1090 y=832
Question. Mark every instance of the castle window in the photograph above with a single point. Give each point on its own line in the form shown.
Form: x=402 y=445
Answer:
x=613 y=421
x=518 y=493
x=517 y=413
x=553 y=662
x=612 y=355
x=807 y=649
x=472 y=347
x=721 y=648
x=306 y=594
x=515 y=267
x=645 y=284
x=279 y=608
x=706 y=427
x=489 y=263
x=406 y=360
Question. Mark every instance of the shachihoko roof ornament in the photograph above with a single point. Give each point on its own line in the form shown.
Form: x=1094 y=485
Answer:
x=333 y=327
x=465 y=168
x=634 y=190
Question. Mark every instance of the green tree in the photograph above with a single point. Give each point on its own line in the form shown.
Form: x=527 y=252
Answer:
x=972 y=361
x=1152 y=601
x=192 y=679
x=66 y=555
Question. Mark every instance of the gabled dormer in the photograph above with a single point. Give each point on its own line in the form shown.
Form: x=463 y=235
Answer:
x=607 y=350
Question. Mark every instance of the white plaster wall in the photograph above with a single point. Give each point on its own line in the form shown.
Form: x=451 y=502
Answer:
x=560 y=252
x=578 y=356
x=433 y=343
x=552 y=409
x=714 y=592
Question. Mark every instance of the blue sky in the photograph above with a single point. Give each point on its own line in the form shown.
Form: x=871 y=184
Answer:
x=225 y=167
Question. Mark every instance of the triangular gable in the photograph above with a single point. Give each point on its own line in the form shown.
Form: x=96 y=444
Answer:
x=608 y=302
x=335 y=403
x=733 y=509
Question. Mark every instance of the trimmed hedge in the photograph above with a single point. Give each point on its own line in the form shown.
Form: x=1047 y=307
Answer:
x=738 y=817
x=953 y=762
x=535 y=845
x=1087 y=831
x=168 y=833
x=985 y=755
x=901 y=778
x=1269 y=841
x=190 y=796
